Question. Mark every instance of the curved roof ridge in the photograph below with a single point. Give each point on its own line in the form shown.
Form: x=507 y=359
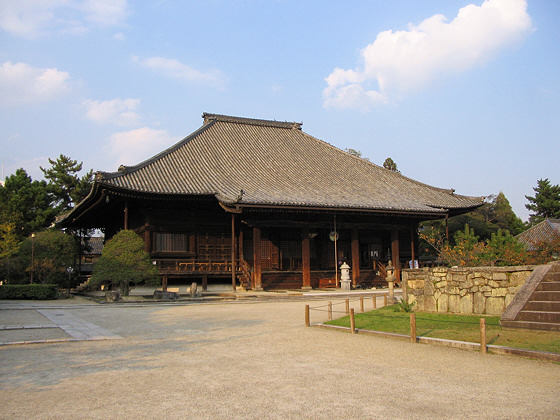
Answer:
x=251 y=121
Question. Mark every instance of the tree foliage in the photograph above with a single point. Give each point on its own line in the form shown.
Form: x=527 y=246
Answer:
x=124 y=261
x=391 y=165
x=48 y=255
x=26 y=203
x=545 y=203
x=66 y=187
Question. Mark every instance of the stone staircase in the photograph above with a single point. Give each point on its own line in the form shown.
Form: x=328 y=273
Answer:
x=537 y=304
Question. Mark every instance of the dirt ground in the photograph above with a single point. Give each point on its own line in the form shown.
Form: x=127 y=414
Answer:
x=258 y=360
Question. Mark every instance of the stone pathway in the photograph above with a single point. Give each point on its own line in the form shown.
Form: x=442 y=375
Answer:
x=63 y=326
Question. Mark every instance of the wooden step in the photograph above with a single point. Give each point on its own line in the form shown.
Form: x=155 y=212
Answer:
x=549 y=286
x=539 y=316
x=538 y=305
x=532 y=325
x=548 y=295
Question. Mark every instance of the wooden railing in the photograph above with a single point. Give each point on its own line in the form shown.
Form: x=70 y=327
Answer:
x=380 y=268
x=245 y=272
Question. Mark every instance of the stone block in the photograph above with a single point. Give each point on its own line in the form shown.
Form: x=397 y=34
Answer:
x=443 y=303
x=500 y=276
x=462 y=292
x=493 y=283
x=437 y=294
x=495 y=305
x=429 y=304
x=454 y=303
x=499 y=292
x=441 y=284
x=466 y=304
x=508 y=299
x=479 y=303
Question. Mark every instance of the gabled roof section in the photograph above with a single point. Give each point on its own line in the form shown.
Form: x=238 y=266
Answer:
x=546 y=231
x=251 y=162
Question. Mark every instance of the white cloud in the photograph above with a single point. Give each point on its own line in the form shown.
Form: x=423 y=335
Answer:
x=121 y=112
x=402 y=61
x=177 y=70
x=22 y=84
x=134 y=146
x=32 y=18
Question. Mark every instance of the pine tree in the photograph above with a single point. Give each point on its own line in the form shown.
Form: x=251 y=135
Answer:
x=67 y=188
x=391 y=165
x=545 y=203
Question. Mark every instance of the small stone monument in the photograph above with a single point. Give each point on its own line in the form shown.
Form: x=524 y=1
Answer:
x=391 y=281
x=194 y=290
x=345 y=276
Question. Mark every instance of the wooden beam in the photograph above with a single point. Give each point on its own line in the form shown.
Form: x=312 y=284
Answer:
x=257 y=266
x=126 y=215
x=306 y=258
x=233 y=253
x=355 y=248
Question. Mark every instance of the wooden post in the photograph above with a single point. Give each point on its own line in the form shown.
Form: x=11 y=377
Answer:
x=385 y=299
x=257 y=270
x=395 y=255
x=355 y=249
x=352 y=321
x=205 y=282
x=126 y=215
x=347 y=307
x=307 y=323
x=374 y=301
x=233 y=253
x=306 y=259
x=412 y=327
x=164 y=283
x=330 y=311
x=483 y=348
x=361 y=303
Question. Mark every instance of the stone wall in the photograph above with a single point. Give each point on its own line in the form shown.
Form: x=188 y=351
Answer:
x=466 y=290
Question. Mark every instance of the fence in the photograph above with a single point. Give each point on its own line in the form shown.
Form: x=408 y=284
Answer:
x=417 y=328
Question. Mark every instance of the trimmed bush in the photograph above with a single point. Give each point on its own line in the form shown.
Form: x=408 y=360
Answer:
x=28 y=291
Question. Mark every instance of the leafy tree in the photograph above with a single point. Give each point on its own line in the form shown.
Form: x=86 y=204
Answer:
x=391 y=165
x=48 y=255
x=26 y=203
x=545 y=203
x=67 y=188
x=356 y=153
x=124 y=261
x=9 y=246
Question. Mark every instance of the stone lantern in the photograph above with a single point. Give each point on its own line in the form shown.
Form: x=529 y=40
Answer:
x=345 y=276
x=391 y=282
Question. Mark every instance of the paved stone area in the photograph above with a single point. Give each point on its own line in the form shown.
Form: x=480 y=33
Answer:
x=258 y=361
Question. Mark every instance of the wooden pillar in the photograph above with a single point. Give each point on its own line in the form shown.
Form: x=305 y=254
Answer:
x=126 y=215
x=306 y=258
x=164 y=283
x=395 y=257
x=240 y=246
x=257 y=267
x=355 y=257
x=233 y=253
x=148 y=239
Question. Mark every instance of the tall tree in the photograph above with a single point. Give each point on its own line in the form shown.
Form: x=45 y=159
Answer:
x=391 y=165
x=545 y=203
x=504 y=217
x=26 y=203
x=356 y=153
x=67 y=187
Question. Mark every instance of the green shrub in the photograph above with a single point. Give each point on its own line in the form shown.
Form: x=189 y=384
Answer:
x=28 y=291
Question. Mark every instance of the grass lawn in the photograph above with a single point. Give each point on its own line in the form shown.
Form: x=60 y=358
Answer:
x=454 y=327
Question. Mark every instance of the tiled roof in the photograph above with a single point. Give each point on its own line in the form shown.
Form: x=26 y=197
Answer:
x=545 y=231
x=253 y=162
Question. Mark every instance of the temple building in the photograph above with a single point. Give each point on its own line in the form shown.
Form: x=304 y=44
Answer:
x=266 y=205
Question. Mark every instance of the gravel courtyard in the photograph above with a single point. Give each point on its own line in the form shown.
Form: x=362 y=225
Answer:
x=255 y=361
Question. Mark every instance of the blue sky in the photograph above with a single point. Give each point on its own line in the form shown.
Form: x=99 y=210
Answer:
x=461 y=94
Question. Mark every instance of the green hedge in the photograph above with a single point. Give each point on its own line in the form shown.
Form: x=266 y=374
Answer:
x=28 y=291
